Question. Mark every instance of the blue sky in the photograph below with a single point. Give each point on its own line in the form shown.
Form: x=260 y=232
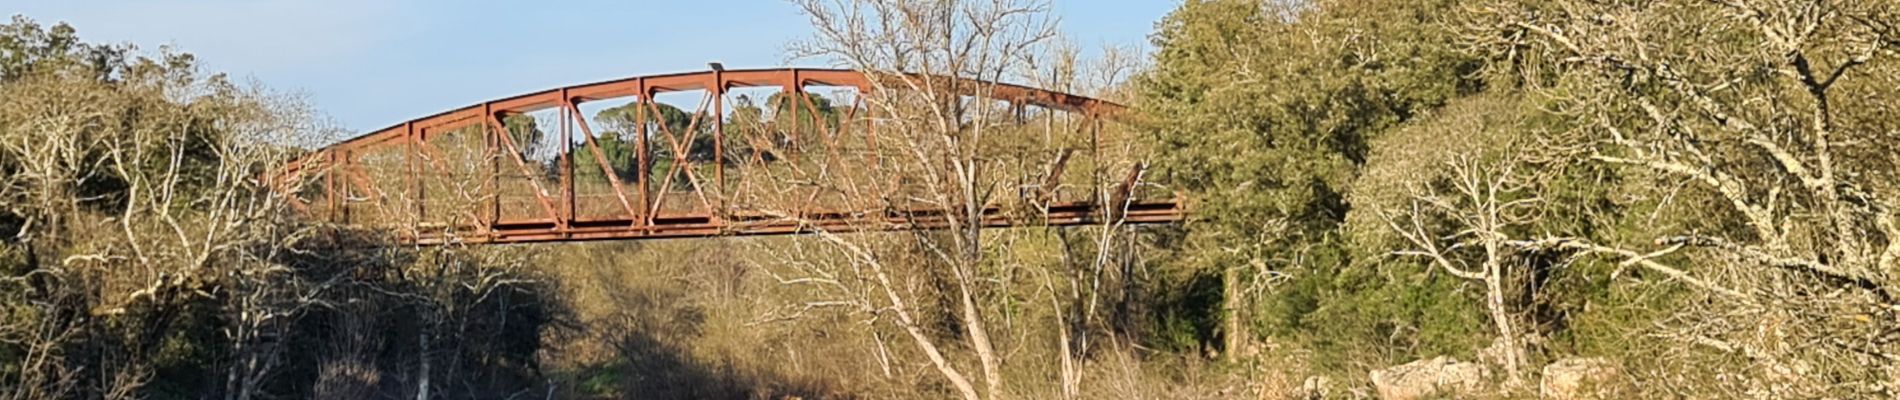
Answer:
x=371 y=63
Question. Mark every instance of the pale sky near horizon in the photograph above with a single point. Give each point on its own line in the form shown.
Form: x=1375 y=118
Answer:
x=371 y=63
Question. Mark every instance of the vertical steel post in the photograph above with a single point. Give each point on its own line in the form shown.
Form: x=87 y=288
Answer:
x=344 y=165
x=870 y=125
x=789 y=101
x=329 y=185
x=1095 y=152
x=414 y=180
x=567 y=164
x=718 y=90
x=640 y=151
x=492 y=141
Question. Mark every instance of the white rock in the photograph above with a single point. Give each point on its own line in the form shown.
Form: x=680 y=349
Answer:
x=1315 y=388
x=1571 y=378
x=1424 y=379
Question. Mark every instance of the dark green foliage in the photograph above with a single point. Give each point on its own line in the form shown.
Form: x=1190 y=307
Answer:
x=27 y=48
x=1266 y=113
x=1300 y=130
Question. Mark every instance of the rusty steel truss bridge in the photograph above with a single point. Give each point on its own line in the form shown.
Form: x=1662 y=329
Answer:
x=720 y=153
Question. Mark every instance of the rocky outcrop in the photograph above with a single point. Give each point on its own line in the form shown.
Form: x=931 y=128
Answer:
x=1577 y=378
x=1315 y=388
x=1423 y=379
x=1495 y=355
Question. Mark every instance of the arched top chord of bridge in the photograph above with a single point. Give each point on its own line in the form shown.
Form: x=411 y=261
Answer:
x=767 y=151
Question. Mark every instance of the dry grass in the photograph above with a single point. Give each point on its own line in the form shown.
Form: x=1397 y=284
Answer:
x=698 y=319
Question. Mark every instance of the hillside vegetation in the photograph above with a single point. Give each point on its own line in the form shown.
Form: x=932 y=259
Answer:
x=1505 y=199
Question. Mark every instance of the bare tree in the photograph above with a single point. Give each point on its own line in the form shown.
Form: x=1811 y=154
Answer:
x=1484 y=201
x=141 y=194
x=1096 y=258
x=934 y=64
x=1773 y=111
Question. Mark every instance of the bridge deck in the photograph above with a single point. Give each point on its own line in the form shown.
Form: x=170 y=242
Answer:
x=686 y=226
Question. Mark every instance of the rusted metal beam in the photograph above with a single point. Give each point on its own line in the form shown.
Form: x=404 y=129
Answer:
x=718 y=93
x=690 y=226
x=743 y=78
x=514 y=153
x=681 y=148
x=641 y=152
x=342 y=178
x=566 y=165
x=413 y=175
x=600 y=157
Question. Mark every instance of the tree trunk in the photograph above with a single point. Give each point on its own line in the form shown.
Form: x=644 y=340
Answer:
x=1232 y=332
x=972 y=260
x=980 y=341
x=1494 y=301
x=422 y=375
x=1071 y=380
x=231 y=373
x=923 y=341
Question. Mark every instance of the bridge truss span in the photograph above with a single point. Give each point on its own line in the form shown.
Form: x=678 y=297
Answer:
x=723 y=152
